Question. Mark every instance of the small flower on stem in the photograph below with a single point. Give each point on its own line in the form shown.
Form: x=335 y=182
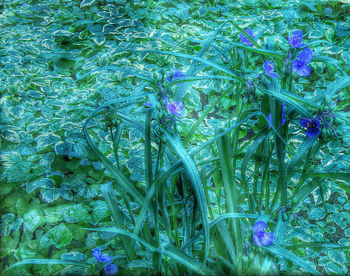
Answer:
x=97 y=253
x=260 y=237
x=174 y=108
x=312 y=126
x=244 y=39
x=111 y=269
x=296 y=39
x=269 y=69
x=301 y=63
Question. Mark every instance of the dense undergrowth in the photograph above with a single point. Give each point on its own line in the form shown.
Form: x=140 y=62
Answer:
x=143 y=137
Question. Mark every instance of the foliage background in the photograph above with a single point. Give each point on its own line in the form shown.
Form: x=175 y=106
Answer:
x=58 y=62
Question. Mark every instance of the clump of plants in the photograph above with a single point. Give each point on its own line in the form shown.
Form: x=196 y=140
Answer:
x=223 y=196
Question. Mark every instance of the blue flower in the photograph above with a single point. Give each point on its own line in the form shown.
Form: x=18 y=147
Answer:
x=296 y=39
x=97 y=253
x=260 y=237
x=111 y=269
x=174 y=108
x=175 y=74
x=301 y=63
x=244 y=39
x=269 y=69
x=312 y=126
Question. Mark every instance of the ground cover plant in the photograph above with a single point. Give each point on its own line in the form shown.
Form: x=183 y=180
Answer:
x=175 y=138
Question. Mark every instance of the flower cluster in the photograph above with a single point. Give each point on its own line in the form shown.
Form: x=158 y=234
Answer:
x=301 y=64
x=260 y=237
x=110 y=269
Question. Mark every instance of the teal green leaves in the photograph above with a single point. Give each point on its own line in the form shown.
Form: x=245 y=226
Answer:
x=86 y=3
x=9 y=224
x=15 y=169
x=45 y=140
x=33 y=219
x=59 y=236
x=47 y=183
x=79 y=150
x=317 y=213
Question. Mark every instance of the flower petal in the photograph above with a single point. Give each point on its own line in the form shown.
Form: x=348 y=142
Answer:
x=312 y=132
x=295 y=65
x=304 y=70
x=273 y=75
x=97 y=253
x=106 y=259
x=267 y=239
x=256 y=239
x=304 y=121
x=244 y=39
x=306 y=55
x=259 y=227
x=111 y=269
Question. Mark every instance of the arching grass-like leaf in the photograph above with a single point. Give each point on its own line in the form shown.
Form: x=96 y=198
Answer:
x=117 y=216
x=337 y=85
x=279 y=251
x=165 y=249
x=46 y=262
x=122 y=180
x=195 y=179
x=220 y=219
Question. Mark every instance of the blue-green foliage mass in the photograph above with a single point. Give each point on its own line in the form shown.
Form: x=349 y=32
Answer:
x=84 y=164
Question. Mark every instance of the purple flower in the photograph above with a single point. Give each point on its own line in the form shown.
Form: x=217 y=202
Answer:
x=174 y=108
x=301 y=63
x=97 y=253
x=244 y=39
x=175 y=74
x=111 y=269
x=260 y=237
x=269 y=69
x=296 y=39
x=312 y=126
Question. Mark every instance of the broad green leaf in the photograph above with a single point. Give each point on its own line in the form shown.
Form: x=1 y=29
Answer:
x=100 y=210
x=50 y=195
x=73 y=256
x=33 y=219
x=317 y=213
x=86 y=3
x=59 y=236
x=77 y=213
x=46 y=140
x=46 y=183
